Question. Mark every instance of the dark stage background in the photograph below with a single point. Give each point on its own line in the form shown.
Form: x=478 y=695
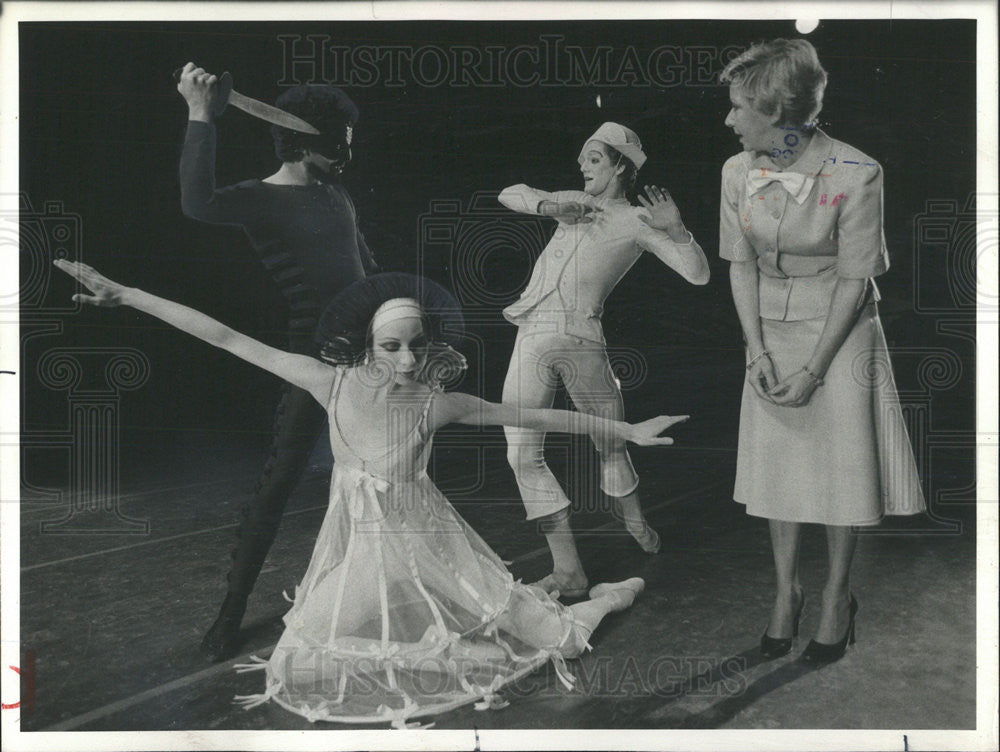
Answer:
x=102 y=124
x=110 y=622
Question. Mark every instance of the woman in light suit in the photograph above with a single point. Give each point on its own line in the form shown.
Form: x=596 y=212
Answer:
x=822 y=439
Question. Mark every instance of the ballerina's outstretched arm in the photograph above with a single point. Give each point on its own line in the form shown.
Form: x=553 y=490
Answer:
x=456 y=407
x=299 y=370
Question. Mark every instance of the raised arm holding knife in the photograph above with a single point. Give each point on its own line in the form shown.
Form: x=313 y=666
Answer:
x=302 y=223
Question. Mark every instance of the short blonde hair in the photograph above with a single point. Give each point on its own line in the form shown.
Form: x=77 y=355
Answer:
x=783 y=76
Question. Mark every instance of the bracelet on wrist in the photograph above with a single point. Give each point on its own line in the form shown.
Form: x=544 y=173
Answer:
x=813 y=376
x=758 y=356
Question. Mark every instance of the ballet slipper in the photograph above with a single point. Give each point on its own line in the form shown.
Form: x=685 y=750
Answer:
x=623 y=593
x=649 y=541
x=647 y=538
x=551 y=585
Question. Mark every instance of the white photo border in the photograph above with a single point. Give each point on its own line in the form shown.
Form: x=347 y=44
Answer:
x=982 y=738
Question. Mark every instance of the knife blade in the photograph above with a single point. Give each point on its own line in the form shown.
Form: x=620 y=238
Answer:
x=226 y=95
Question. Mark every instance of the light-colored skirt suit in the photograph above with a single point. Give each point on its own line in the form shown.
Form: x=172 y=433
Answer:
x=845 y=457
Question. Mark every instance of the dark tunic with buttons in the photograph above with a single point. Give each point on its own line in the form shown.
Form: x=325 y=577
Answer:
x=308 y=239
x=306 y=236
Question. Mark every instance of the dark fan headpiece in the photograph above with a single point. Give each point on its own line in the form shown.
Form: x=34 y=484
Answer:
x=345 y=325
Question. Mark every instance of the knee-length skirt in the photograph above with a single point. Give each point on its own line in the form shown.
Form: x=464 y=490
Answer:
x=845 y=457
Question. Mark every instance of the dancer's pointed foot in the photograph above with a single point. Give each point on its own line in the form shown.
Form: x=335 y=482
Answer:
x=648 y=540
x=623 y=594
x=569 y=586
x=630 y=513
x=222 y=641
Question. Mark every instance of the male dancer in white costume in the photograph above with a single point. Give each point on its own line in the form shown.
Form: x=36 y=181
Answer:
x=599 y=237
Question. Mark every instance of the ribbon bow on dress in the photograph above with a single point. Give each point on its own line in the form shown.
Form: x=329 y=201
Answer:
x=797 y=184
x=361 y=489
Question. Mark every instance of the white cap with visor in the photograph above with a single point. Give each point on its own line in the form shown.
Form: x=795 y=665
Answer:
x=621 y=138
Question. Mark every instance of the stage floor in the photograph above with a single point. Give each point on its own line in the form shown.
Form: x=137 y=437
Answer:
x=110 y=625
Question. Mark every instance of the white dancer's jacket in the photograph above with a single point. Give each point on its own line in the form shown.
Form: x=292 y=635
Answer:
x=583 y=262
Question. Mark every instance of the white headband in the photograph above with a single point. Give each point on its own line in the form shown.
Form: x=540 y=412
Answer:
x=395 y=309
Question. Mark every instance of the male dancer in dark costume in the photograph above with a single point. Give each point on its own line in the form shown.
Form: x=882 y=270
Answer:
x=302 y=223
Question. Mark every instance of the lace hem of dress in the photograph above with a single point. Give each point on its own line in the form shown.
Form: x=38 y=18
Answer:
x=483 y=696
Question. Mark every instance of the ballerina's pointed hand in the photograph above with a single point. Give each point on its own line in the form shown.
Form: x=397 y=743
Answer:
x=648 y=432
x=663 y=212
x=106 y=293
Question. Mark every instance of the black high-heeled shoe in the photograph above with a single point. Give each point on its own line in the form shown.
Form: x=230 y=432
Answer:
x=775 y=647
x=819 y=653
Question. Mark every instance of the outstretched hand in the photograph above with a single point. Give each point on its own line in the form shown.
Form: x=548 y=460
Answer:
x=106 y=293
x=648 y=432
x=663 y=212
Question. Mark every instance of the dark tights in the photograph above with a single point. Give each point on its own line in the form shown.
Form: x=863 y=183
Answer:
x=297 y=424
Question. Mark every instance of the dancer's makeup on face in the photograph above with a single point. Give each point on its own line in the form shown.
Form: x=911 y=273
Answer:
x=402 y=343
x=597 y=169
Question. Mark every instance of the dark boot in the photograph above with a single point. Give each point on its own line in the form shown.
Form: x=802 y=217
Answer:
x=222 y=641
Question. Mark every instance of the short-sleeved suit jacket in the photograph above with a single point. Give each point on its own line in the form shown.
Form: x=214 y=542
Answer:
x=801 y=249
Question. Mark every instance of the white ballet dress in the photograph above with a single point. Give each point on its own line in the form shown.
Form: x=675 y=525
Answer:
x=404 y=610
